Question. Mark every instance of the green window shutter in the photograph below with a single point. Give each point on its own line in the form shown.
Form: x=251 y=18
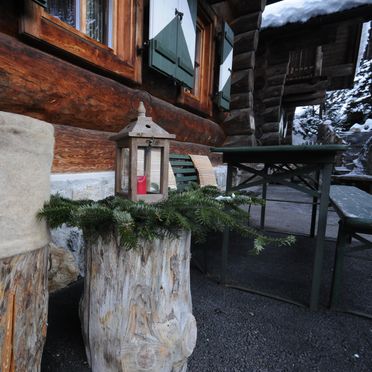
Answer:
x=163 y=36
x=224 y=85
x=172 y=35
x=186 y=42
x=43 y=3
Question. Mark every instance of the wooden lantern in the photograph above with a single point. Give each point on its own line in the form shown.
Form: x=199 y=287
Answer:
x=142 y=158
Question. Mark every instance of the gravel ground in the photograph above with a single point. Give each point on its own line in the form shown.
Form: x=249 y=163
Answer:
x=241 y=331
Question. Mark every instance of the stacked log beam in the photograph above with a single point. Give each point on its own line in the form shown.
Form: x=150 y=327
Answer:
x=239 y=124
x=270 y=85
x=86 y=107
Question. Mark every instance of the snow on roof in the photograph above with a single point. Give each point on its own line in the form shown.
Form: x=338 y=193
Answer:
x=293 y=11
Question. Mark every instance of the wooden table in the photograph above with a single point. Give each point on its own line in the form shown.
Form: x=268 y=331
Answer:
x=281 y=165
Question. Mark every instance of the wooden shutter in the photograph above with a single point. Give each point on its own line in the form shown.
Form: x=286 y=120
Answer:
x=224 y=85
x=43 y=3
x=163 y=36
x=172 y=35
x=186 y=42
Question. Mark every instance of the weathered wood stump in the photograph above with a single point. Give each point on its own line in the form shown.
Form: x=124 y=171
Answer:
x=23 y=310
x=136 y=310
x=26 y=153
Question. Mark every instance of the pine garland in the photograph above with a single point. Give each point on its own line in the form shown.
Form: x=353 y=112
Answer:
x=199 y=210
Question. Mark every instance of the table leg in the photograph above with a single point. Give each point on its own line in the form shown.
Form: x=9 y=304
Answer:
x=226 y=233
x=264 y=195
x=314 y=209
x=325 y=173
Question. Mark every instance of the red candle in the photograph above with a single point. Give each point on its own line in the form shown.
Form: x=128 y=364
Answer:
x=141 y=185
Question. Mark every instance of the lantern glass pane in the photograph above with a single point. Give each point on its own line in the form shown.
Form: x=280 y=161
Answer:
x=141 y=161
x=155 y=174
x=125 y=161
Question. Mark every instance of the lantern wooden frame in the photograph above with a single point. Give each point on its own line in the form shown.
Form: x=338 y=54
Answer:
x=142 y=133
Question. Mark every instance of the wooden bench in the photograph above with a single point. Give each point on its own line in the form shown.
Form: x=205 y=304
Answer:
x=189 y=169
x=354 y=208
x=184 y=170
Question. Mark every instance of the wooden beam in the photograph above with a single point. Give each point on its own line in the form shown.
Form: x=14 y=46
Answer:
x=42 y=86
x=239 y=122
x=247 y=6
x=241 y=100
x=308 y=86
x=84 y=150
x=339 y=70
x=246 y=42
x=242 y=81
x=246 y=23
x=244 y=61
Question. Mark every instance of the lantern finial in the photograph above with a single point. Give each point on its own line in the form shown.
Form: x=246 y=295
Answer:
x=141 y=110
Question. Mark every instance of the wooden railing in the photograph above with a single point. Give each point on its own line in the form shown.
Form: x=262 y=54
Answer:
x=305 y=63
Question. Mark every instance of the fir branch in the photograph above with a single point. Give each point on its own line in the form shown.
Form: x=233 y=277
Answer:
x=199 y=210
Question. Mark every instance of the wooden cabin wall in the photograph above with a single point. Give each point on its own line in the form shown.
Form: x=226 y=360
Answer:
x=84 y=106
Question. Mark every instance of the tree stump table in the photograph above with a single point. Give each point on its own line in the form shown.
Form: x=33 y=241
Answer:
x=136 y=310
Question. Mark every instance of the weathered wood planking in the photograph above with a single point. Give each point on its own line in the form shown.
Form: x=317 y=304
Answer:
x=84 y=150
x=136 y=311
x=39 y=85
x=23 y=310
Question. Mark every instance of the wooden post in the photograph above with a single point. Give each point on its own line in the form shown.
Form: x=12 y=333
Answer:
x=26 y=153
x=136 y=310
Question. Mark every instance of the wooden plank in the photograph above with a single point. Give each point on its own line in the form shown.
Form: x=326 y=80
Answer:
x=179 y=156
x=183 y=170
x=185 y=178
x=181 y=163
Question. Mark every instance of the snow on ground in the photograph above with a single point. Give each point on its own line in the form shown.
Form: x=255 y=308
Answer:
x=292 y=11
x=366 y=127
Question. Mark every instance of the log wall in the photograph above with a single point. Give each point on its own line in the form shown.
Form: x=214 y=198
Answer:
x=77 y=150
x=239 y=125
x=85 y=106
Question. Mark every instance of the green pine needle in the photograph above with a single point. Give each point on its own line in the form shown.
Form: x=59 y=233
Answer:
x=199 y=210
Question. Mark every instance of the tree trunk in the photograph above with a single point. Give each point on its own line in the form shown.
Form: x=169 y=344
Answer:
x=23 y=310
x=136 y=310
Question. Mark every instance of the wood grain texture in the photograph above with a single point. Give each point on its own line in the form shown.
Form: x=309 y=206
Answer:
x=84 y=150
x=39 y=85
x=23 y=310
x=136 y=310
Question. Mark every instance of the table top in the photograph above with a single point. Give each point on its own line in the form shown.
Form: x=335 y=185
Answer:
x=280 y=148
x=280 y=153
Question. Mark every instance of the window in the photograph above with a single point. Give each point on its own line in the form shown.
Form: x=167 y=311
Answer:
x=92 y=17
x=104 y=33
x=199 y=97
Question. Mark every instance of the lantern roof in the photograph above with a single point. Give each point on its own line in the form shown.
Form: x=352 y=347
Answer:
x=142 y=127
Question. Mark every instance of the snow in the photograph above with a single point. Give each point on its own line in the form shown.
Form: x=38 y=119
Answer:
x=363 y=44
x=293 y=11
x=366 y=127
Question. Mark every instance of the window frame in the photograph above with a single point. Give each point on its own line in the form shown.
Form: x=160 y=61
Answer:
x=122 y=59
x=203 y=102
